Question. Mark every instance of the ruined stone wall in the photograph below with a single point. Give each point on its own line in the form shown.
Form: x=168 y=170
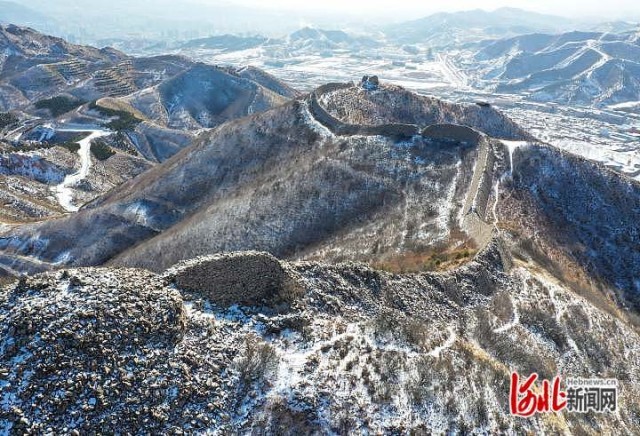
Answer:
x=344 y=129
x=453 y=132
x=476 y=207
x=475 y=211
x=247 y=278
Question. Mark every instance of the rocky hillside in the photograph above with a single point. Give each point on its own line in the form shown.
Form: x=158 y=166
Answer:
x=204 y=96
x=35 y=67
x=149 y=108
x=268 y=81
x=432 y=249
x=577 y=213
x=30 y=173
x=401 y=197
x=396 y=105
x=305 y=191
x=327 y=349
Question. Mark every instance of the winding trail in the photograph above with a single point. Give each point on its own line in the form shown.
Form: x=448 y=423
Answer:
x=64 y=192
x=514 y=321
x=447 y=344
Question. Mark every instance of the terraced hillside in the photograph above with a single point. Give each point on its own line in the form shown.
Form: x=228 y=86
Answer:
x=38 y=67
x=150 y=107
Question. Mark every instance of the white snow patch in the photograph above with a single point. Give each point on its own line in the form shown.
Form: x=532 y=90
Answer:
x=64 y=192
x=511 y=147
x=138 y=213
x=514 y=321
x=447 y=344
x=63 y=258
x=315 y=125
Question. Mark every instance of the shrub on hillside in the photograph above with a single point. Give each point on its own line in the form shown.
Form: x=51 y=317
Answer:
x=125 y=120
x=101 y=150
x=59 y=105
x=256 y=361
x=7 y=119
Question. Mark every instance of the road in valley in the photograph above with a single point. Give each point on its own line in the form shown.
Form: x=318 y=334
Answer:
x=64 y=191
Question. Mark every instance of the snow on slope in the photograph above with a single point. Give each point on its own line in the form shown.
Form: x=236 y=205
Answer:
x=64 y=191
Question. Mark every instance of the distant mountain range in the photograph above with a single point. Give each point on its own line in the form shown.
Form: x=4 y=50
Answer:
x=308 y=40
x=14 y=13
x=447 y=29
x=225 y=43
x=160 y=20
x=574 y=67
x=319 y=39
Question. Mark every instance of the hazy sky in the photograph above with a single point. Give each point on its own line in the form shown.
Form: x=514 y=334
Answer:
x=597 y=9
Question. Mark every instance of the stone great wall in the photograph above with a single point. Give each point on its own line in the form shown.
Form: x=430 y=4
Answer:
x=476 y=203
x=259 y=279
x=453 y=132
x=475 y=208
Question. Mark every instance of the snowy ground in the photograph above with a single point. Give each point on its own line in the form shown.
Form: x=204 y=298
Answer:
x=597 y=135
x=305 y=72
x=64 y=191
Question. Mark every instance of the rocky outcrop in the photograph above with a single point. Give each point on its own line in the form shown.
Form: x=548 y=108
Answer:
x=246 y=278
x=350 y=105
x=448 y=125
x=370 y=83
x=80 y=343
